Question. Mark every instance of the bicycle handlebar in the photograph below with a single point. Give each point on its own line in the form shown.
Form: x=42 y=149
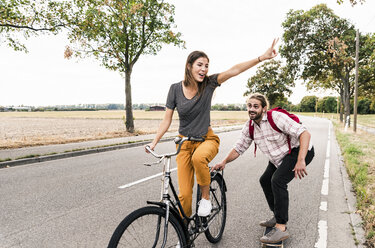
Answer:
x=178 y=140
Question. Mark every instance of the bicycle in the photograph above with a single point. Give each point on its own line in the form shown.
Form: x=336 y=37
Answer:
x=160 y=224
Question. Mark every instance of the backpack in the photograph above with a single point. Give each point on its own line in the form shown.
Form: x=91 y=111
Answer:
x=273 y=125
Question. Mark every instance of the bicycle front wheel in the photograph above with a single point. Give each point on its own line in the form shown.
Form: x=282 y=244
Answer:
x=145 y=228
x=217 y=218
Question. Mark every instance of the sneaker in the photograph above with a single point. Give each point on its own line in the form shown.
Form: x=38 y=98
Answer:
x=178 y=245
x=275 y=236
x=205 y=207
x=268 y=223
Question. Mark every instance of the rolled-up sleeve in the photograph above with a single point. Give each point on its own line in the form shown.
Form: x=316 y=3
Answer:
x=245 y=141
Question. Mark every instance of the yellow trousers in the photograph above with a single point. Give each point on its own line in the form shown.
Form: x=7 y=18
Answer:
x=195 y=156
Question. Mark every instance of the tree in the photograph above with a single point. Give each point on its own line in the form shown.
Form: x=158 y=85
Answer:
x=352 y=2
x=118 y=32
x=272 y=80
x=366 y=76
x=364 y=106
x=320 y=49
x=308 y=103
x=327 y=104
x=25 y=18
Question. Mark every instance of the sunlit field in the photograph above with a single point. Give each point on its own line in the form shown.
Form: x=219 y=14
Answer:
x=119 y=114
x=21 y=129
x=365 y=120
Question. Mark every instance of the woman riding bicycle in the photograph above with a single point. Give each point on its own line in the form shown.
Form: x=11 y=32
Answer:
x=192 y=97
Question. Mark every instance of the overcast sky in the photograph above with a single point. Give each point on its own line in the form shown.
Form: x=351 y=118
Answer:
x=228 y=31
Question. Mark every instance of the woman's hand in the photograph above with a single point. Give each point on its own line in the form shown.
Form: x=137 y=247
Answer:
x=151 y=145
x=271 y=52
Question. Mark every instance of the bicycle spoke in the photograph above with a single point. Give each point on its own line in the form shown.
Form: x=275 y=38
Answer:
x=216 y=222
x=142 y=233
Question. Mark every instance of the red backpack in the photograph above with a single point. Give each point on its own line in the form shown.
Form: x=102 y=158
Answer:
x=273 y=125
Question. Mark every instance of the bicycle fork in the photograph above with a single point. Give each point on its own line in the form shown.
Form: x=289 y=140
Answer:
x=165 y=196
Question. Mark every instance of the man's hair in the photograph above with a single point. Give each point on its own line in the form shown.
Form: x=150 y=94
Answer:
x=262 y=98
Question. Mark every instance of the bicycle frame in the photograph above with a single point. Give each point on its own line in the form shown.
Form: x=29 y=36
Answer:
x=170 y=206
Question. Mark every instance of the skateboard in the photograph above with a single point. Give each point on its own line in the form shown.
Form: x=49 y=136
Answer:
x=270 y=245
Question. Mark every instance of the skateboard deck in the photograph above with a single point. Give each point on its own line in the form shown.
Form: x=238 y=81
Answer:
x=270 y=245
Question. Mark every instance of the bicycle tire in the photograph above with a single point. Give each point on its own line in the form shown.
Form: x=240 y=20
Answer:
x=137 y=230
x=215 y=231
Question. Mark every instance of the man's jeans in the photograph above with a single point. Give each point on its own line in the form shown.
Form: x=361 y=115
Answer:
x=274 y=182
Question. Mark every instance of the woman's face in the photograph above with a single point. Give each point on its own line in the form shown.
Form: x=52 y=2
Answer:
x=199 y=69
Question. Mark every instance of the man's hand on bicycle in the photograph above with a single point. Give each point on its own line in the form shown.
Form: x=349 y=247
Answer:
x=218 y=167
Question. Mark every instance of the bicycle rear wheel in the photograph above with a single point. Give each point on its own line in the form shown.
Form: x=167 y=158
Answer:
x=218 y=215
x=145 y=228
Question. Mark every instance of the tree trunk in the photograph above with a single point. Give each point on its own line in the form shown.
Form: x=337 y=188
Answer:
x=128 y=102
x=347 y=101
x=341 y=108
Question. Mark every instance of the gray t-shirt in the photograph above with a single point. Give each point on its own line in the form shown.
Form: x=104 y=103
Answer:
x=194 y=113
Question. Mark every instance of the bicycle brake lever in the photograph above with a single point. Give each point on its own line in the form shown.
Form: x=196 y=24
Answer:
x=157 y=162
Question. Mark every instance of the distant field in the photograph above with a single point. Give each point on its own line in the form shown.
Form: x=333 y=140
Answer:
x=21 y=129
x=119 y=114
x=365 y=120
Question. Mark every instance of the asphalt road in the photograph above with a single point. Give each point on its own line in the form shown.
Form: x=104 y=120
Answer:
x=77 y=202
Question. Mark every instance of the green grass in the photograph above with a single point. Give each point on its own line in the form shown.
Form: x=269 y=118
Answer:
x=29 y=156
x=358 y=151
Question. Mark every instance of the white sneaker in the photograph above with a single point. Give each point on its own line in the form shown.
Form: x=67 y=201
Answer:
x=205 y=207
x=178 y=245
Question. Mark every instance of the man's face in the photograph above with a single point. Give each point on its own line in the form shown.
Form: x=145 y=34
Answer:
x=255 y=109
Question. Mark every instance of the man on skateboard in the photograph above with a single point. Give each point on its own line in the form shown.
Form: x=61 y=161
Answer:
x=286 y=143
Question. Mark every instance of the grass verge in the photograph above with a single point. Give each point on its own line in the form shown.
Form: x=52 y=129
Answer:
x=358 y=151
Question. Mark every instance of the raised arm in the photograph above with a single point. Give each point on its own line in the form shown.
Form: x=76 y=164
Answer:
x=163 y=128
x=241 y=67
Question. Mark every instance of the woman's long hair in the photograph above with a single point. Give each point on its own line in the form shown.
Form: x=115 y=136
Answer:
x=189 y=79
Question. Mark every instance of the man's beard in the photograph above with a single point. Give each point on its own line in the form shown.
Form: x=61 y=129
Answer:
x=256 y=117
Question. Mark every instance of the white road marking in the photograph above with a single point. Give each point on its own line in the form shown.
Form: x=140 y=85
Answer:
x=322 y=241
x=322 y=225
x=143 y=180
x=325 y=186
x=323 y=206
x=326 y=168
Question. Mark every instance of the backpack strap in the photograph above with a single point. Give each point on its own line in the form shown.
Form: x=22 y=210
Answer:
x=251 y=132
x=273 y=125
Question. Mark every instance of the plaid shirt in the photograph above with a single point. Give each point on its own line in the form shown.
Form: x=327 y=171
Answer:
x=272 y=143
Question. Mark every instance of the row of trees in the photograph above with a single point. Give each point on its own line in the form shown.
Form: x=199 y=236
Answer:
x=78 y=107
x=327 y=104
x=319 y=49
